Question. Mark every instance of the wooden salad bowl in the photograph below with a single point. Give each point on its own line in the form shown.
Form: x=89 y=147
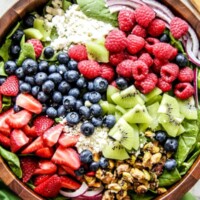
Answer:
x=14 y=14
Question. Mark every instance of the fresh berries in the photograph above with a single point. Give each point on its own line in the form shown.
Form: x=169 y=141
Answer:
x=157 y=64
x=183 y=90
x=147 y=59
x=124 y=69
x=139 y=31
x=186 y=75
x=126 y=19
x=117 y=58
x=156 y=27
x=107 y=72
x=139 y=70
x=163 y=85
x=178 y=27
x=78 y=52
x=37 y=45
x=116 y=41
x=89 y=69
x=4 y=141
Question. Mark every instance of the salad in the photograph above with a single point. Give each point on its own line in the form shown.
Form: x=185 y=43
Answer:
x=99 y=99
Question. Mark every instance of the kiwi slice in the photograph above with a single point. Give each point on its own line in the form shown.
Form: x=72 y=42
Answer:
x=33 y=33
x=118 y=115
x=153 y=112
x=107 y=108
x=120 y=109
x=155 y=92
x=127 y=98
x=115 y=151
x=154 y=99
x=110 y=91
x=180 y=130
x=100 y=41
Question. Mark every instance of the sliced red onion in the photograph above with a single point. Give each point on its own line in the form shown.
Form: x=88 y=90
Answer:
x=117 y=8
x=134 y=1
x=162 y=15
x=122 y=3
x=93 y=192
x=199 y=55
x=97 y=197
x=84 y=187
x=196 y=87
x=195 y=41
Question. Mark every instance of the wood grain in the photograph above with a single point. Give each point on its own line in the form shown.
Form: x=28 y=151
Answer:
x=196 y=4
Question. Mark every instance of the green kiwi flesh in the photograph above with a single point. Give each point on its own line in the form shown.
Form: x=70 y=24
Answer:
x=33 y=33
x=110 y=91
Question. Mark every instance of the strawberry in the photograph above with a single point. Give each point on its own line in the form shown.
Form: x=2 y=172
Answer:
x=49 y=188
x=78 y=52
x=69 y=171
x=4 y=141
x=10 y=87
x=124 y=68
x=46 y=167
x=66 y=156
x=92 y=173
x=20 y=119
x=51 y=136
x=61 y=171
x=37 y=46
x=68 y=140
x=42 y=123
x=1 y=105
x=28 y=165
x=17 y=140
x=29 y=131
x=40 y=179
x=46 y=152
x=69 y=183
x=29 y=103
x=107 y=72
x=156 y=27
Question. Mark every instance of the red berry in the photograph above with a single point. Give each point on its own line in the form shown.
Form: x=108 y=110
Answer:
x=178 y=27
x=37 y=45
x=186 y=75
x=126 y=19
x=107 y=72
x=135 y=44
x=124 y=68
x=78 y=52
x=4 y=141
x=184 y=90
x=133 y=58
x=150 y=43
x=146 y=58
x=157 y=64
x=169 y=72
x=89 y=69
x=139 y=31
x=116 y=41
x=144 y=15
x=163 y=85
x=40 y=179
x=116 y=58
x=139 y=70
x=156 y=27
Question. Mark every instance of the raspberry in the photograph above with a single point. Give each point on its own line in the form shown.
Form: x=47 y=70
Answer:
x=157 y=64
x=126 y=19
x=183 y=90
x=107 y=72
x=178 y=27
x=78 y=53
x=89 y=68
x=169 y=72
x=186 y=75
x=116 y=41
x=114 y=84
x=156 y=27
x=116 y=58
x=37 y=45
x=148 y=84
x=133 y=58
x=146 y=58
x=140 y=70
x=124 y=68
x=163 y=85
x=144 y=15
x=135 y=44
x=165 y=51
x=139 y=31
x=149 y=44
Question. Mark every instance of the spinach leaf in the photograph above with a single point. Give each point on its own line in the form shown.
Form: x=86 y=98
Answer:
x=90 y=7
x=6 y=103
x=12 y=160
x=2 y=70
x=169 y=178
x=4 y=50
x=66 y=4
x=13 y=30
x=176 y=43
x=147 y=196
x=54 y=33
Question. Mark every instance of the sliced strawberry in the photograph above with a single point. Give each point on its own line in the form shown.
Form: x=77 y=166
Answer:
x=40 y=179
x=69 y=183
x=46 y=152
x=68 y=140
x=17 y=140
x=90 y=173
x=46 y=167
x=49 y=188
x=66 y=156
x=10 y=87
x=34 y=146
x=61 y=171
x=29 y=103
x=28 y=166
x=29 y=131
x=52 y=135
x=4 y=141
x=19 y=119
x=42 y=123
x=69 y=170
x=1 y=102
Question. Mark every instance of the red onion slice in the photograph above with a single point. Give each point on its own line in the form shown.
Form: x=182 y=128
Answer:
x=162 y=15
x=196 y=87
x=117 y=8
x=195 y=41
x=199 y=55
x=122 y=3
x=93 y=192
x=84 y=187
x=97 y=197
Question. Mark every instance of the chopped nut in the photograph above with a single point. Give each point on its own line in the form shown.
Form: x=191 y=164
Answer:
x=122 y=168
x=127 y=177
x=158 y=169
x=169 y=154
x=146 y=175
x=121 y=195
x=161 y=190
x=108 y=195
x=90 y=180
x=138 y=165
x=149 y=134
x=111 y=164
x=96 y=157
x=100 y=174
x=96 y=184
x=127 y=198
x=148 y=146
x=109 y=178
x=137 y=174
x=153 y=185
x=155 y=149
x=141 y=189
x=132 y=160
x=114 y=187
x=147 y=160
x=156 y=158
x=124 y=185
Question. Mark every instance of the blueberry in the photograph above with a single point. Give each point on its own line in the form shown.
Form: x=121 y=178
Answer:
x=61 y=69
x=161 y=136
x=94 y=97
x=75 y=92
x=48 y=86
x=28 y=21
x=103 y=162
x=96 y=110
x=87 y=128
x=57 y=97
x=121 y=83
x=30 y=80
x=170 y=164
x=48 y=52
x=51 y=112
x=80 y=171
x=109 y=121
x=19 y=73
x=81 y=83
x=43 y=66
x=55 y=77
x=61 y=111
x=84 y=112
x=16 y=108
x=35 y=90
x=10 y=67
x=29 y=66
x=69 y=102
x=86 y=96
x=52 y=69
x=96 y=121
x=64 y=87
x=86 y=156
x=72 y=65
x=40 y=78
x=2 y=80
x=25 y=88
x=15 y=50
x=63 y=58
x=44 y=108
x=71 y=76
x=79 y=103
x=181 y=60
x=94 y=166
x=73 y=118
x=171 y=144
x=100 y=84
x=42 y=97
x=164 y=38
x=90 y=86
x=17 y=36
x=20 y=82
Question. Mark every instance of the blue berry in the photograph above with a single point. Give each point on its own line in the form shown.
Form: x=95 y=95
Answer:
x=171 y=144
x=57 y=97
x=52 y=69
x=84 y=112
x=181 y=60
x=80 y=171
x=79 y=103
x=86 y=156
x=94 y=166
x=35 y=90
x=55 y=77
x=109 y=121
x=15 y=50
x=19 y=73
x=40 y=78
x=96 y=121
x=61 y=69
x=30 y=80
x=25 y=88
x=164 y=38
x=29 y=66
x=28 y=21
x=43 y=66
x=161 y=136
x=17 y=36
x=71 y=76
x=81 y=83
x=87 y=128
x=63 y=58
x=100 y=84
x=2 y=80
x=86 y=96
x=48 y=52
x=121 y=83
x=61 y=111
x=94 y=97
x=72 y=65
x=103 y=162
x=48 y=87
x=42 y=97
x=69 y=102
x=90 y=86
x=75 y=92
x=96 y=110
x=51 y=112
x=73 y=118
x=64 y=87
x=170 y=164
x=10 y=67
x=16 y=108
